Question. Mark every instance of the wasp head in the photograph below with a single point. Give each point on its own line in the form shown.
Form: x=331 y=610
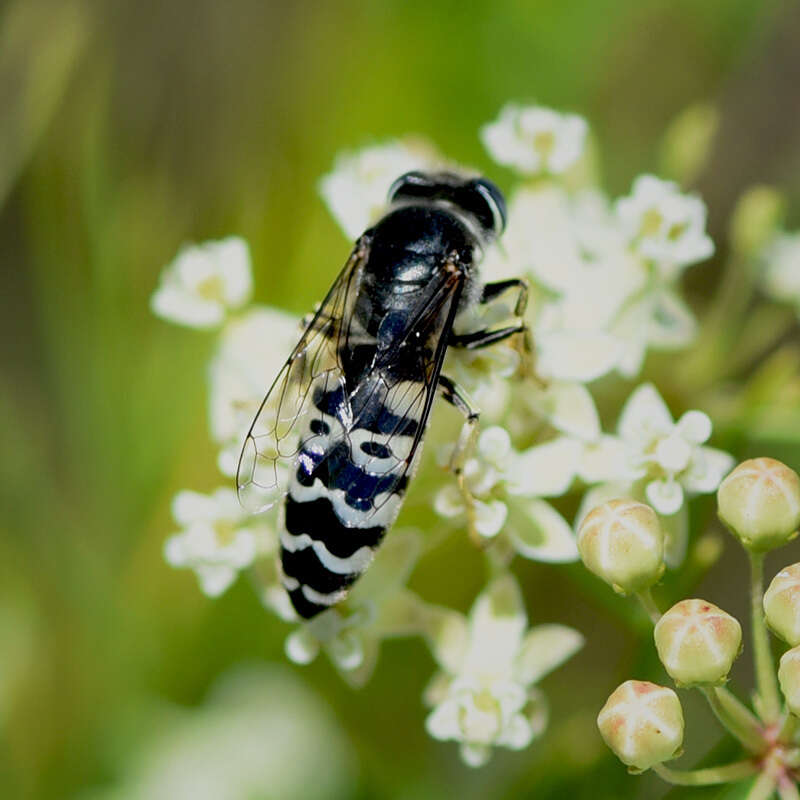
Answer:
x=478 y=198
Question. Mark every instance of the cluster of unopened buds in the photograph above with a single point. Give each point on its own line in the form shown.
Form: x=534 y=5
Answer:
x=622 y=542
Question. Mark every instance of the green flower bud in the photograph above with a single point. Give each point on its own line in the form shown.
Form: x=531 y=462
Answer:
x=760 y=503
x=622 y=542
x=698 y=643
x=789 y=678
x=756 y=217
x=782 y=604
x=643 y=724
x=687 y=142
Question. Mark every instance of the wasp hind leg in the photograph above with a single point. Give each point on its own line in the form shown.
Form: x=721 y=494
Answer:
x=455 y=396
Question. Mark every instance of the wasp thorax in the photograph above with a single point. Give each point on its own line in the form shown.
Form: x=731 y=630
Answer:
x=621 y=541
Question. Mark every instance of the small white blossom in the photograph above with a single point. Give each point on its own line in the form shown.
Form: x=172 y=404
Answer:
x=669 y=457
x=664 y=225
x=218 y=539
x=506 y=487
x=594 y=305
x=250 y=353
x=485 y=697
x=355 y=191
x=534 y=139
x=781 y=278
x=204 y=282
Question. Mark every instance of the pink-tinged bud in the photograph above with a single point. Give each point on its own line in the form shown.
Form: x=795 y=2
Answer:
x=697 y=643
x=760 y=503
x=622 y=542
x=643 y=724
x=782 y=604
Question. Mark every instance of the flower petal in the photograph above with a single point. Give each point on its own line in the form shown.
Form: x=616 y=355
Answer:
x=490 y=517
x=540 y=533
x=644 y=414
x=497 y=622
x=544 y=648
x=582 y=356
x=570 y=408
x=475 y=755
x=665 y=496
x=545 y=470
x=709 y=466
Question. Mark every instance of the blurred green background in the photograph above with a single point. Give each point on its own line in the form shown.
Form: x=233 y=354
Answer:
x=129 y=128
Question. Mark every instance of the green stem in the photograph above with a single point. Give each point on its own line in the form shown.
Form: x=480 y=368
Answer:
x=708 y=776
x=788 y=728
x=736 y=718
x=646 y=599
x=763 y=787
x=770 y=705
x=787 y=790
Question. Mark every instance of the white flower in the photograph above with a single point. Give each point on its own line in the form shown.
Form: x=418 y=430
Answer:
x=781 y=278
x=594 y=304
x=218 y=539
x=534 y=139
x=668 y=456
x=506 y=487
x=204 y=282
x=250 y=353
x=379 y=606
x=355 y=191
x=485 y=695
x=664 y=225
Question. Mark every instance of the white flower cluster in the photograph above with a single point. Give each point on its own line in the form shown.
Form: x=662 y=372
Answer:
x=604 y=291
x=485 y=695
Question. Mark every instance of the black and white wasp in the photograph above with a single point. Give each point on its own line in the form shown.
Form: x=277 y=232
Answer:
x=339 y=433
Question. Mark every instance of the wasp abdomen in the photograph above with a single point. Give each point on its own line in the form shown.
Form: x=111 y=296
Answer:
x=345 y=491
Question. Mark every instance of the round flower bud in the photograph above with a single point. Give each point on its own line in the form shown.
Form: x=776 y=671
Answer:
x=782 y=604
x=789 y=678
x=760 y=502
x=643 y=724
x=697 y=643
x=622 y=542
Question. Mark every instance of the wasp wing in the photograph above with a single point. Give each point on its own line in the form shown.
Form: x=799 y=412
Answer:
x=374 y=428
x=273 y=440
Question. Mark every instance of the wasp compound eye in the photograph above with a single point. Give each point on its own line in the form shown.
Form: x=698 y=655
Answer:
x=494 y=202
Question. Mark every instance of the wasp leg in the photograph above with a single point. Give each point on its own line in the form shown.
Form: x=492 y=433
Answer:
x=491 y=291
x=454 y=395
x=484 y=338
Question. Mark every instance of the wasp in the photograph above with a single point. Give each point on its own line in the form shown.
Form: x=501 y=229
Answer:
x=339 y=434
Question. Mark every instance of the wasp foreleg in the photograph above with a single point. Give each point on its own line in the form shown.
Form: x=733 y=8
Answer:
x=454 y=395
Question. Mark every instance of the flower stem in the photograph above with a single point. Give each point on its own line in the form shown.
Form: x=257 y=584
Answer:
x=708 y=776
x=787 y=790
x=788 y=728
x=762 y=787
x=736 y=718
x=646 y=599
x=770 y=706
